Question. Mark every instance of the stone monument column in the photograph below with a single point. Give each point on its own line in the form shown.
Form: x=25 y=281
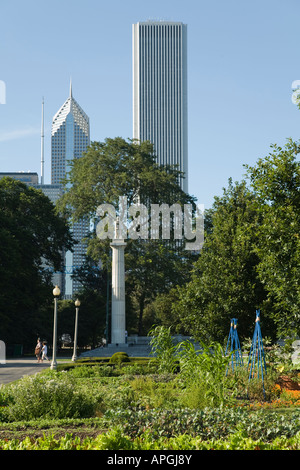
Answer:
x=118 y=289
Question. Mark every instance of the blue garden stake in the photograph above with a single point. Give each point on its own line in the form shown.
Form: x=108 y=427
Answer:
x=235 y=347
x=256 y=359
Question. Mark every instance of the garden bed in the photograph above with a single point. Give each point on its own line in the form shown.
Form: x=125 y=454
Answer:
x=98 y=403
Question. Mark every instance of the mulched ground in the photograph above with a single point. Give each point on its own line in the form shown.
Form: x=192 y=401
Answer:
x=288 y=383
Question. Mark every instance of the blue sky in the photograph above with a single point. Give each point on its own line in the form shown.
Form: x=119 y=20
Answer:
x=242 y=60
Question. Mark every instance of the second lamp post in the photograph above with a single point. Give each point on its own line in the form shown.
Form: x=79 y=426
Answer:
x=56 y=294
x=77 y=305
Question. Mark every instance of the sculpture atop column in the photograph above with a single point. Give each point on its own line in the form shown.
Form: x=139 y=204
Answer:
x=118 y=318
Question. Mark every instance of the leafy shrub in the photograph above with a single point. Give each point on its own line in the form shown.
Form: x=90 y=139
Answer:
x=136 y=368
x=88 y=371
x=39 y=396
x=119 y=357
x=91 y=360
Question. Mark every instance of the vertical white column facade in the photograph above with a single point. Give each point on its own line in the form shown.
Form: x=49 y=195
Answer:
x=118 y=313
x=160 y=91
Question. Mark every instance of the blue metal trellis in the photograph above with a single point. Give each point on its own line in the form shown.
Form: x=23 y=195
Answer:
x=256 y=361
x=235 y=347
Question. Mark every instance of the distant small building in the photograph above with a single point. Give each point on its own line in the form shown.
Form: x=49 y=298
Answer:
x=28 y=177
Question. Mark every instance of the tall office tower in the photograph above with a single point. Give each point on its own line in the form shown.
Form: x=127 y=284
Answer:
x=160 y=91
x=70 y=139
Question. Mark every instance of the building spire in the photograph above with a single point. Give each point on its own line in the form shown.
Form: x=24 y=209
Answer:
x=42 y=144
x=71 y=95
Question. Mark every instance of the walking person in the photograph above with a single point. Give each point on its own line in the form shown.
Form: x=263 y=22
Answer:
x=44 y=351
x=38 y=350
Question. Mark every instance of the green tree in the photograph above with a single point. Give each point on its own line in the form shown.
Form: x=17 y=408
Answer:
x=225 y=282
x=32 y=236
x=276 y=183
x=94 y=295
x=117 y=168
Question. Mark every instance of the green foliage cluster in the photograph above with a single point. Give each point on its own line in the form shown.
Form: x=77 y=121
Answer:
x=116 y=439
x=119 y=357
x=207 y=424
x=42 y=396
x=251 y=254
x=118 y=364
x=32 y=237
x=202 y=371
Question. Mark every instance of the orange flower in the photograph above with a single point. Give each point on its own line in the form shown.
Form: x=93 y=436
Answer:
x=293 y=393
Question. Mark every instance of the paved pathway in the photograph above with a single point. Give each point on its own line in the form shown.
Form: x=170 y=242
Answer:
x=14 y=369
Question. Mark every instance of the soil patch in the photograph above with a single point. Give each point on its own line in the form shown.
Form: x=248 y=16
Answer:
x=287 y=383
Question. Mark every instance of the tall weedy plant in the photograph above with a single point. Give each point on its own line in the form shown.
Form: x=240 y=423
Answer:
x=205 y=369
x=164 y=348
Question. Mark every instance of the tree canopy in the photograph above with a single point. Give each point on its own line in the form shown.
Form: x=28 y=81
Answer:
x=32 y=236
x=251 y=254
x=224 y=282
x=115 y=168
x=276 y=183
x=119 y=168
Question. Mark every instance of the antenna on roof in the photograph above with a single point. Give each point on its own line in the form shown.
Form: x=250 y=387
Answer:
x=71 y=95
x=42 y=144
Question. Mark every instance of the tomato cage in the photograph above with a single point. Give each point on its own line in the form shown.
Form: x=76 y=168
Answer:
x=235 y=347
x=256 y=361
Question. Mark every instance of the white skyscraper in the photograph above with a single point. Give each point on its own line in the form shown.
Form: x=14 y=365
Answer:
x=160 y=91
x=70 y=139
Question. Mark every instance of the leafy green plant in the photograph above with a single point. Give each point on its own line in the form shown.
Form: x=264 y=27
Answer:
x=39 y=396
x=205 y=373
x=119 y=357
x=163 y=348
x=83 y=371
x=207 y=424
x=116 y=439
x=151 y=393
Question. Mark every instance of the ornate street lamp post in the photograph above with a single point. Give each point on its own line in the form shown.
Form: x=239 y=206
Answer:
x=56 y=293
x=77 y=305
